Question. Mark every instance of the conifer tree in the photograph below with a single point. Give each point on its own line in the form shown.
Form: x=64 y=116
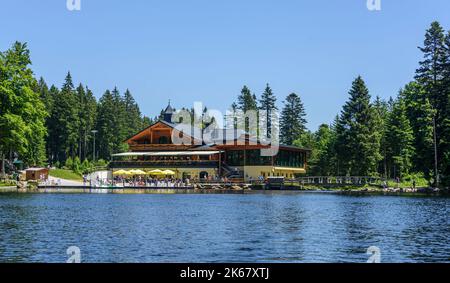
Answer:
x=65 y=121
x=132 y=114
x=267 y=104
x=400 y=140
x=358 y=134
x=292 y=121
x=420 y=114
x=247 y=103
x=431 y=75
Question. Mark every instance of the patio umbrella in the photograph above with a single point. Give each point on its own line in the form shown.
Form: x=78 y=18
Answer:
x=168 y=172
x=120 y=172
x=155 y=172
x=137 y=172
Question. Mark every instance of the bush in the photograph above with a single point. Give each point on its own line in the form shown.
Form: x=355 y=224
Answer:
x=69 y=163
x=101 y=163
x=86 y=167
x=76 y=166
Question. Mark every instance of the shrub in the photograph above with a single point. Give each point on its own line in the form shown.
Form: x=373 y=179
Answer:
x=101 y=163
x=76 y=166
x=69 y=163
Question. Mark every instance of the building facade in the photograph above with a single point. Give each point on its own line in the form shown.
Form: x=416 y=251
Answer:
x=236 y=158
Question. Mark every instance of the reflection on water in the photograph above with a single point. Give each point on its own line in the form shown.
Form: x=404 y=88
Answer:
x=271 y=227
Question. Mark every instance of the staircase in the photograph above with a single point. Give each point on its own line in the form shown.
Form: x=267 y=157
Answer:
x=232 y=174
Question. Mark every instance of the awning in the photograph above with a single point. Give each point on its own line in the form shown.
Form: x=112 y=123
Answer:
x=292 y=169
x=168 y=153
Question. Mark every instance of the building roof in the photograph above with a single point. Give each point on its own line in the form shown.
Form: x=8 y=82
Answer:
x=217 y=135
x=169 y=109
x=36 y=169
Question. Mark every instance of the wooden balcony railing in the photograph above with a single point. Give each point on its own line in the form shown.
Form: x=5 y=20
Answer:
x=164 y=164
x=155 y=147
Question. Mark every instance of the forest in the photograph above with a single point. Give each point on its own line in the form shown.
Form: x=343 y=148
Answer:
x=406 y=135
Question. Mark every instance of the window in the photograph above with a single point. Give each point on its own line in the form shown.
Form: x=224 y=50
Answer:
x=163 y=140
x=290 y=159
x=235 y=158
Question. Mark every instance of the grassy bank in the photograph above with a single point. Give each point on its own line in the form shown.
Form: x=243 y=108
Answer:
x=65 y=174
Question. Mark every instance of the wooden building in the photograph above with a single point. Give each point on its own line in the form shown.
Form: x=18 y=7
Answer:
x=190 y=157
x=36 y=174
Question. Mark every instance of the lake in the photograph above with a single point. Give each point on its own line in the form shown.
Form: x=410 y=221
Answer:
x=257 y=227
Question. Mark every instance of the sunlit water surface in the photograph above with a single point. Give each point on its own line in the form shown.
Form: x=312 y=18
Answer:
x=261 y=227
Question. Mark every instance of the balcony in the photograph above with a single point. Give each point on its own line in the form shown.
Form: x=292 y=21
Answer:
x=165 y=164
x=157 y=147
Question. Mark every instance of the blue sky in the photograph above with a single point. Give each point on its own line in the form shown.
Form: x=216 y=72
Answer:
x=206 y=50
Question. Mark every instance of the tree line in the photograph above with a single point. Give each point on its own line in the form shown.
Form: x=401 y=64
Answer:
x=406 y=134
x=50 y=125
x=402 y=136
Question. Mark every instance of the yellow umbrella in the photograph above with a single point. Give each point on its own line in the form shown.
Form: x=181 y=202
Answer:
x=121 y=172
x=168 y=172
x=155 y=172
x=137 y=172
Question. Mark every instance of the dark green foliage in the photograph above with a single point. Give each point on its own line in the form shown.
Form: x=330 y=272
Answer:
x=433 y=77
x=64 y=122
x=292 y=120
x=22 y=113
x=358 y=133
x=246 y=100
x=133 y=117
x=400 y=140
x=420 y=115
x=267 y=104
x=387 y=138
x=320 y=162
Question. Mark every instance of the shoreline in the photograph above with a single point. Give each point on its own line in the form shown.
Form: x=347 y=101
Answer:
x=214 y=190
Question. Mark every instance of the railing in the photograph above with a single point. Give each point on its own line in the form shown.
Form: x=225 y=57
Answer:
x=324 y=180
x=164 y=163
x=350 y=180
x=150 y=147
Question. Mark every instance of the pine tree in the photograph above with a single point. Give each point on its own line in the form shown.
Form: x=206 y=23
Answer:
x=400 y=140
x=105 y=125
x=52 y=137
x=247 y=103
x=246 y=100
x=90 y=114
x=132 y=114
x=87 y=116
x=358 y=135
x=445 y=139
x=267 y=104
x=382 y=112
x=420 y=114
x=292 y=121
x=111 y=124
x=65 y=121
x=146 y=122
x=431 y=75
x=45 y=95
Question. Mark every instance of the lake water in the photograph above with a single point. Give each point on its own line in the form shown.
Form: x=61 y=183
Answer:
x=260 y=227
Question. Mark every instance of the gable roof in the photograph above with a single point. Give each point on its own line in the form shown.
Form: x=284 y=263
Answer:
x=186 y=129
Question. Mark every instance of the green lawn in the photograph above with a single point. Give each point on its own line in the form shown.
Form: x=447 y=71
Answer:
x=65 y=174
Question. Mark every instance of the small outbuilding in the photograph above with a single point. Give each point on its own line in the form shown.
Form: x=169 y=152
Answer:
x=34 y=174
